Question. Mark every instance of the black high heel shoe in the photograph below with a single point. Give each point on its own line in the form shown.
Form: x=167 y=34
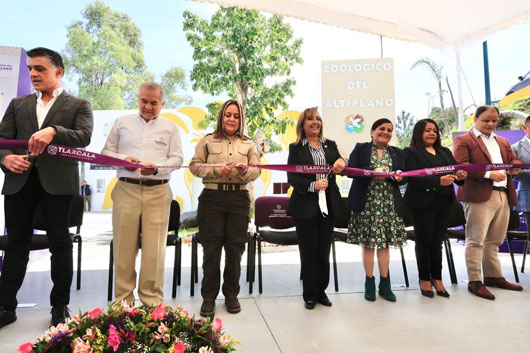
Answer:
x=441 y=293
x=426 y=293
x=309 y=305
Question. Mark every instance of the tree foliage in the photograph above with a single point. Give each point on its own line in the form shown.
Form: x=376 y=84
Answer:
x=105 y=51
x=173 y=81
x=248 y=56
x=404 y=126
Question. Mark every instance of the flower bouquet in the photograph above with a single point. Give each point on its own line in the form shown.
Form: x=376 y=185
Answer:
x=134 y=330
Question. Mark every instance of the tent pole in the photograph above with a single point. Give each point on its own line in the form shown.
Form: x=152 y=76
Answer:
x=461 y=122
x=486 y=72
x=381 y=37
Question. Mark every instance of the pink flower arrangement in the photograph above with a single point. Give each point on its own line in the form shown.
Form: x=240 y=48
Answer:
x=94 y=314
x=217 y=324
x=25 y=348
x=124 y=329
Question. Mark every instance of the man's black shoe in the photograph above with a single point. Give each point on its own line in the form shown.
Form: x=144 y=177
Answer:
x=59 y=314
x=7 y=317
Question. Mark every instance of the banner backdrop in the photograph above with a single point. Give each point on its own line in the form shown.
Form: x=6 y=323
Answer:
x=14 y=76
x=14 y=82
x=355 y=93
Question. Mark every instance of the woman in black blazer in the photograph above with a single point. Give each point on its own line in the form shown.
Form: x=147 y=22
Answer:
x=377 y=207
x=314 y=222
x=430 y=199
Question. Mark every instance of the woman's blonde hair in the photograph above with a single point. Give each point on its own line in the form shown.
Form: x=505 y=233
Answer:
x=300 y=134
x=218 y=133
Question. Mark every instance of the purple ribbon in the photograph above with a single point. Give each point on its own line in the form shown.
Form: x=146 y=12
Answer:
x=71 y=153
x=80 y=155
x=450 y=169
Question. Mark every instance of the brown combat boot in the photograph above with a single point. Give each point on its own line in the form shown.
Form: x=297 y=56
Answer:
x=208 y=308
x=232 y=305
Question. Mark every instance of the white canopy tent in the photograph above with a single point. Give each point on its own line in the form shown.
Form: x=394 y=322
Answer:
x=448 y=25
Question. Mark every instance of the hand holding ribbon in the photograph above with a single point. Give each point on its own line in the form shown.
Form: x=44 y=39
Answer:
x=460 y=175
x=338 y=166
x=225 y=169
x=16 y=163
x=131 y=160
x=149 y=169
x=448 y=179
x=241 y=167
x=40 y=140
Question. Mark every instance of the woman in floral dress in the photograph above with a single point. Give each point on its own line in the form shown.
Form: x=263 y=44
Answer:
x=377 y=206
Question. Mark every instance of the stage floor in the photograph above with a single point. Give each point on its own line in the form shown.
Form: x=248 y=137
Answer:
x=276 y=321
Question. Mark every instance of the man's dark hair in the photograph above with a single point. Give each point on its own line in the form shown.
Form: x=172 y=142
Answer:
x=483 y=108
x=54 y=57
x=527 y=120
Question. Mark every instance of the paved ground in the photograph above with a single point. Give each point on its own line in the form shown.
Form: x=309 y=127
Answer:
x=276 y=321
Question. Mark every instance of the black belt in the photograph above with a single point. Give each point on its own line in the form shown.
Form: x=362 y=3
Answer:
x=144 y=182
x=500 y=188
x=228 y=187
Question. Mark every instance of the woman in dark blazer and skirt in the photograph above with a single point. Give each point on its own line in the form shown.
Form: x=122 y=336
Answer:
x=429 y=199
x=314 y=222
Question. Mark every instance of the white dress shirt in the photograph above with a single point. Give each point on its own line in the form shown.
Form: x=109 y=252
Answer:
x=495 y=153
x=42 y=110
x=156 y=141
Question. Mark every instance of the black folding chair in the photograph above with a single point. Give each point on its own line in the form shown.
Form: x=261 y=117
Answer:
x=39 y=241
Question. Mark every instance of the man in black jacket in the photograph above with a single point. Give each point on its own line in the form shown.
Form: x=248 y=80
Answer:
x=50 y=115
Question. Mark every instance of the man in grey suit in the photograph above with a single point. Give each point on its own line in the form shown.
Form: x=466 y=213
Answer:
x=522 y=151
x=50 y=115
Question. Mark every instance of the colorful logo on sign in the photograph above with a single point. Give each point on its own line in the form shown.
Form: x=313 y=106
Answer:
x=354 y=123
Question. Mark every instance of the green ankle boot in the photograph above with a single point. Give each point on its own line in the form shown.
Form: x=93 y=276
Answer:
x=385 y=290
x=369 y=288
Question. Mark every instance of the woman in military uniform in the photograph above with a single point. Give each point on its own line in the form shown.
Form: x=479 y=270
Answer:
x=221 y=160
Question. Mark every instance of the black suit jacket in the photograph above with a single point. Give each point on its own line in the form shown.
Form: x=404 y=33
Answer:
x=360 y=158
x=423 y=191
x=73 y=120
x=303 y=204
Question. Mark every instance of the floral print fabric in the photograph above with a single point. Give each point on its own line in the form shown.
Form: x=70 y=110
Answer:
x=378 y=225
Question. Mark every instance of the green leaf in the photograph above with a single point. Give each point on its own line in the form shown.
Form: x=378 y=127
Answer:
x=247 y=55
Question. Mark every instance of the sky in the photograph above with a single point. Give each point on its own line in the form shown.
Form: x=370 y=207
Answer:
x=29 y=25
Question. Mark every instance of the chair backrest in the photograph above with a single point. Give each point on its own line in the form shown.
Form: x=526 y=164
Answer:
x=515 y=221
x=342 y=220
x=407 y=218
x=271 y=211
x=76 y=214
x=174 y=216
x=456 y=215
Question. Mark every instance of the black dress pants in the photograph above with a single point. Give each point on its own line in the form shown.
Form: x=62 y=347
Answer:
x=223 y=218
x=20 y=210
x=314 y=238
x=430 y=227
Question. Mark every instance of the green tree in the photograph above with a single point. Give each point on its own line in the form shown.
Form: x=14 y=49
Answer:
x=248 y=56
x=404 y=126
x=436 y=71
x=105 y=51
x=437 y=115
x=173 y=81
